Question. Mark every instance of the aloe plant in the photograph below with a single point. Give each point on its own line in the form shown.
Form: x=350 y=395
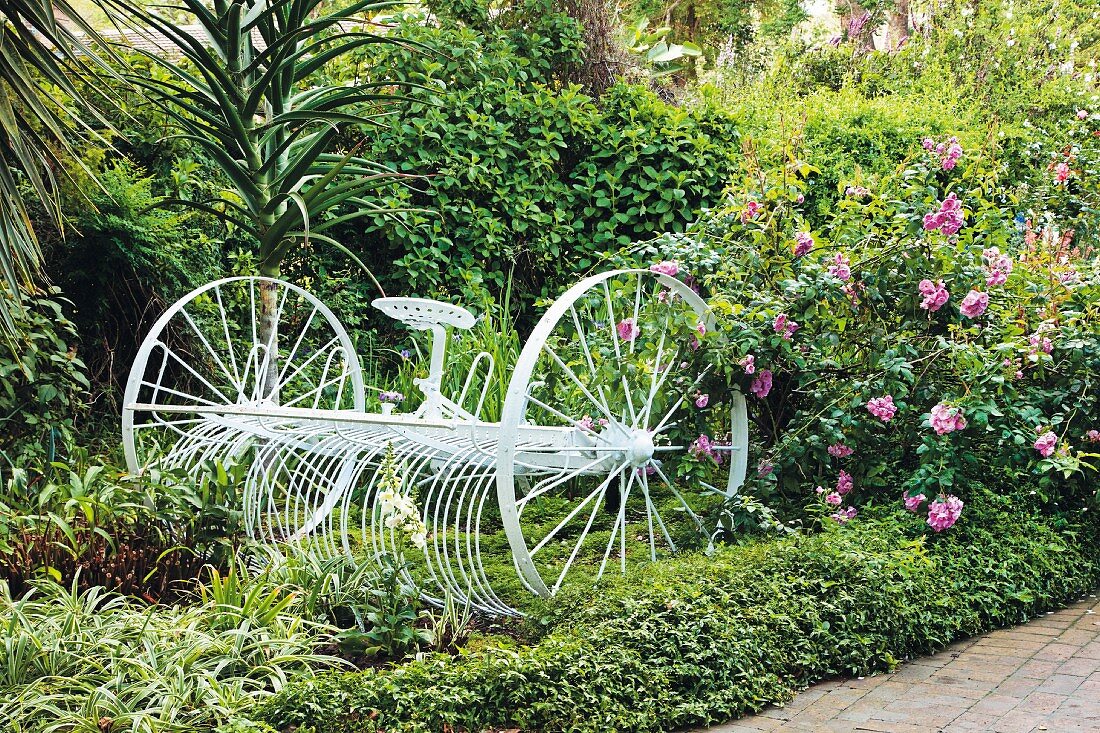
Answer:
x=248 y=96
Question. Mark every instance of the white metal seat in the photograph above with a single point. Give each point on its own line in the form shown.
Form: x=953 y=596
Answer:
x=422 y=313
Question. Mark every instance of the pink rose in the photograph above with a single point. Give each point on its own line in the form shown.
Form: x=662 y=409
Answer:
x=844 y=483
x=974 y=304
x=1041 y=343
x=943 y=514
x=841 y=267
x=702 y=446
x=912 y=503
x=762 y=385
x=935 y=294
x=804 y=242
x=842 y=516
x=669 y=268
x=882 y=407
x=702 y=400
x=833 y=498
x=749 y=364
x=950 y=157
x=1046 y=443
x=949 y=219
x=785 y=326
x=945 y=419
x=628 y=330
x=839 y=450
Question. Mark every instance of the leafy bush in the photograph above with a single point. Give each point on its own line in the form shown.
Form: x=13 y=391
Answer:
x=838 y=317
x=42 y=382
x=124 y=254
x=90 y=524
x=703 y=639
x=521 y=174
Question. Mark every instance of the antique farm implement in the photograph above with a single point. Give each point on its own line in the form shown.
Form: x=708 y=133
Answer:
x=604 y=447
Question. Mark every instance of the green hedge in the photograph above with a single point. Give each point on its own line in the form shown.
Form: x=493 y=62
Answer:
x=703 y=639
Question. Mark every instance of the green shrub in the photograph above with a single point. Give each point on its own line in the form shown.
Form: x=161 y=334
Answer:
x=520 y=173
x=123 y=255
x=703 y=639
x=88 y=523
x=42 y=382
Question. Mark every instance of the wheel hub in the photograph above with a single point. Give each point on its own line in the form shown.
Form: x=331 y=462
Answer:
x=640 y=449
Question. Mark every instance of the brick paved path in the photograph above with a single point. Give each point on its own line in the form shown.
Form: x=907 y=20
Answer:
x=1042 y=676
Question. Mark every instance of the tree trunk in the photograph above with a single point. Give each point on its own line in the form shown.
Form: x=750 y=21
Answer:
x=898 y=25
x=856 y=24
x=267 y=336
x=603 y=59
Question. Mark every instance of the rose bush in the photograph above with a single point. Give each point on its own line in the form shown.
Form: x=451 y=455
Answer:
x=941 y=318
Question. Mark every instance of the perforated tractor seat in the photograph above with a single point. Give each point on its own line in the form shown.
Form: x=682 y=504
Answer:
x=422 y=313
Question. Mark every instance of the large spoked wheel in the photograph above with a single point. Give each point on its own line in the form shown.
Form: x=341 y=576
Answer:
x=615 y=372
x=221 y=346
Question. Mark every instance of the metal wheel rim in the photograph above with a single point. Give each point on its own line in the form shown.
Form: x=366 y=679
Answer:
x=516 y=403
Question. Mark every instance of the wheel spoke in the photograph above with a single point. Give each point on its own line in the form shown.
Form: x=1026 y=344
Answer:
x=271 y=355
x=651 y=507
x=294 y=375
x=680 y=498
x=238 y=377
x=620 y=523
x=185 y=395
x=209 y=349
x=648 y=515
x=559 y=414
x=599 y=491
x=637 y=308
x=294 y=350
x=614 y=325
x=629 y=403
x=558 y=481
x=577 y=547
x=576 y=381
x=676 y=403
x=654 y=385
x=588 y=357
x=183 y=362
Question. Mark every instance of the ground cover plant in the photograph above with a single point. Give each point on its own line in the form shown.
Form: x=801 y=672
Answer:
x=701 y=639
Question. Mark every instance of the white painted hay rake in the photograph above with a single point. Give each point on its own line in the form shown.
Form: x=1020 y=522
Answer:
x=597 y=456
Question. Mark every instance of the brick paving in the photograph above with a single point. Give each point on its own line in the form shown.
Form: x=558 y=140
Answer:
x=1042 y=676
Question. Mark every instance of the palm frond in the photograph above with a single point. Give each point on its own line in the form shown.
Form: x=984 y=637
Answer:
x=39 y=56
